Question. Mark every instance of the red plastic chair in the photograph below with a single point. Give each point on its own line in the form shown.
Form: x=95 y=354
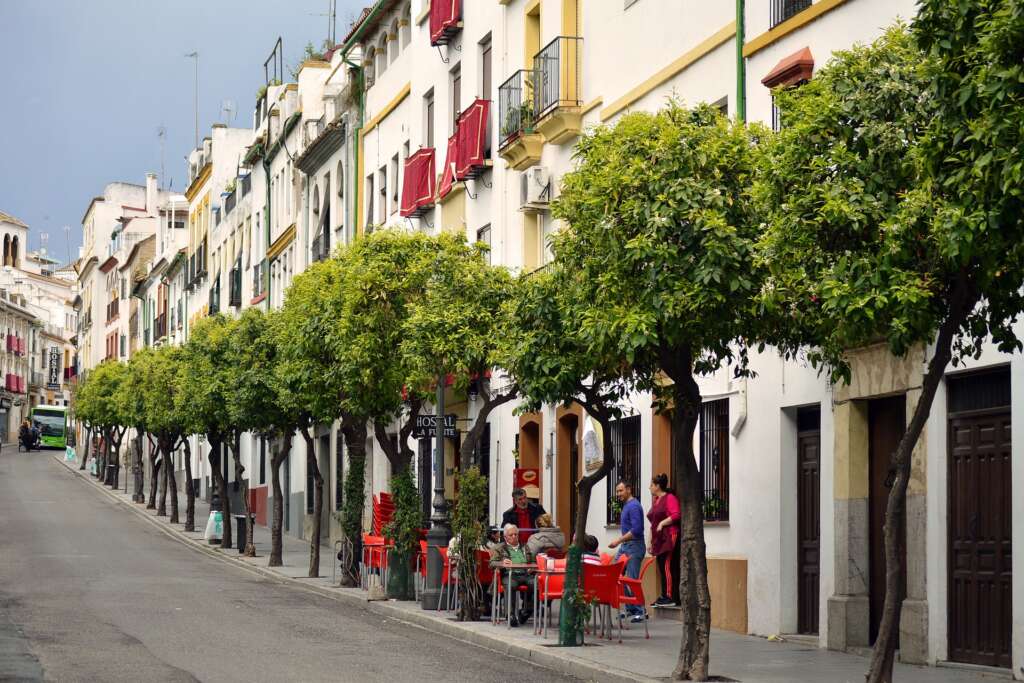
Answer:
x=374 y=557
x=637 y=588
x=601 y=587
x=446 y=579
x=421 y=568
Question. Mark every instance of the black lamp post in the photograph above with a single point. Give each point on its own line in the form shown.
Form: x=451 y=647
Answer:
x=440 y=532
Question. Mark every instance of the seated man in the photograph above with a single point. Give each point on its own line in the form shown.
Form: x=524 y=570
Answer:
x=523 y=513
x=509 y=553
x=547 y=537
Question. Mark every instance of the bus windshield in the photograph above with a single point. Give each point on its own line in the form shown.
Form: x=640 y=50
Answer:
x=50 y=424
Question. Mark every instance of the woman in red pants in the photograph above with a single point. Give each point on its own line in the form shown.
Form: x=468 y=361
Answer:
x=664 y=519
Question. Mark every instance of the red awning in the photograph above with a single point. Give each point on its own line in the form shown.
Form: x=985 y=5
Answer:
x=418 y=182
x=448 y=176
x=472 y=135
x=796 y=68
x=445 y=16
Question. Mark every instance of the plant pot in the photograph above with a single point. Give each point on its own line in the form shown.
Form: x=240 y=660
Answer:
x=401 y=577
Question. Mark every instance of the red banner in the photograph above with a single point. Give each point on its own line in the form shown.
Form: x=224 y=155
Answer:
x=445 y=16
x=472 y=135
x=418 y=185
x=448 y=176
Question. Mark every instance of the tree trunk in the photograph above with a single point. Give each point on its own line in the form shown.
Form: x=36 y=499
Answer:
x=190 y=490
x=568 y=634
x=84 y=457
x=277 y=523
x=161 y=506
x=236 y=453
x=318 y=503
x=884 y=651
x=399 y=458
x=694 y=593
x=354 y=431
x=222 y=488
x=172 y=480
x=154 y=477
x=138 y=496
x=468 y=446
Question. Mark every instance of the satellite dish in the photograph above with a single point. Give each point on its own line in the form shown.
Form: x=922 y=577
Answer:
x=229 y=110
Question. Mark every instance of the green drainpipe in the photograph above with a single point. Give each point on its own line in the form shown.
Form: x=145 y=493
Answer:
x=741 y=65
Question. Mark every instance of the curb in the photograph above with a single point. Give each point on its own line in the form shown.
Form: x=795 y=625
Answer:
x=544 y=656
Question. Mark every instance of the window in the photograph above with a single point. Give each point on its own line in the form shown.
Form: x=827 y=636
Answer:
x=263 y=460
x=776 y=117
x=393 y=44
x=456 y=95
x=394 y=183
x=784 y=9
x=626 y=449
x=484 y=235
x=714 y=459
x=370 y=197
x=547 y=226
x=339 y=471
x=382 y=207
x=428 y=118
x=381 y=54
x=485 y=68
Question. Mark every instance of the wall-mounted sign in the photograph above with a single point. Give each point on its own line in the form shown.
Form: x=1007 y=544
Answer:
x=593 y=453
x=426 y=426
x=53 y=368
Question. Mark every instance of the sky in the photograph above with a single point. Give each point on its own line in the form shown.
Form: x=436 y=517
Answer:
x=88 y=83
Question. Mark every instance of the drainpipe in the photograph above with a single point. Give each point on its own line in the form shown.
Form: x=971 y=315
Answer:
x=741 y=65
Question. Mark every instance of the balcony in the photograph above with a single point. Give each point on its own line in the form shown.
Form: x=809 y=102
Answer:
x=160 y=327
x=557 y=90
x=113 y=309
x=782 y=10
x=36 y=379
x=215 y=296
x=520 y=144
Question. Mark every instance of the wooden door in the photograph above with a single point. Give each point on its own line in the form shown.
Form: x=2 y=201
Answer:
x=808 y=521
x=886 y=423
x=980 y=578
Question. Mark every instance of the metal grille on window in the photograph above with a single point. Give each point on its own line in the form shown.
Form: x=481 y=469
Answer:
x=714 y=459
x=626 y=449
x=784 y=9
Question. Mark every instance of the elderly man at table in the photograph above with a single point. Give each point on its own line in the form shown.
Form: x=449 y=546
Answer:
x=523 y=513
x=631 y=542
x=513 y=552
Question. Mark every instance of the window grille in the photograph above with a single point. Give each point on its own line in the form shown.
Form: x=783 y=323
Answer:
x=625 y=433
x=714 y=459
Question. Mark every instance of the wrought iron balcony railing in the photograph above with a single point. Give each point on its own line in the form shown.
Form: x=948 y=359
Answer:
x=516 y=107
x=556 y=71
x=782 y=10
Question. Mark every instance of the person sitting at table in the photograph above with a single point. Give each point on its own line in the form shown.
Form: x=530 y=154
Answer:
x=494 y=539
x=510 y=553
x=523 y=513
x=546 y=537
x=590 y=554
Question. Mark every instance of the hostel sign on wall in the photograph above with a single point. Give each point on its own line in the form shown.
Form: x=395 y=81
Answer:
x=53 y=368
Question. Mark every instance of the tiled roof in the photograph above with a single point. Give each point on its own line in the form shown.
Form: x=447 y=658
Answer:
x=8 y=218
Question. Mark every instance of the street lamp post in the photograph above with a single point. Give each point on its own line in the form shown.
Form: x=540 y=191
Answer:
x=440 y=532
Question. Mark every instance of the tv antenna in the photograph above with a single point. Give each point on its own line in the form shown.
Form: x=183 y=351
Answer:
x=229 y=110
x=332 y=21
x=161 y=133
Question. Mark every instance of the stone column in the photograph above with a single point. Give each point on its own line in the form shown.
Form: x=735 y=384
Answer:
x=849 y=609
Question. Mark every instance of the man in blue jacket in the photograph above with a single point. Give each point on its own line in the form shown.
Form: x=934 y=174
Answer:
x=631 y=542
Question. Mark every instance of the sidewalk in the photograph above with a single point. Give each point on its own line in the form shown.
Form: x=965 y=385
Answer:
x=733 y=657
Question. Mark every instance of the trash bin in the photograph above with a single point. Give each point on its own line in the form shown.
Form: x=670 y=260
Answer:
x=111 y=472
x=240 y=530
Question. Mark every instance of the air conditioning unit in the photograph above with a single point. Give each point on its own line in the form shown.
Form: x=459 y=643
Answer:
x=535 y=189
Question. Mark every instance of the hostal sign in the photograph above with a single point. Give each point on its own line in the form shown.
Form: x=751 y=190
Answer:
x=426 y=426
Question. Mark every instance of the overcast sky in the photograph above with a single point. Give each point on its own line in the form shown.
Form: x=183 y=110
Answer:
x=87 y=84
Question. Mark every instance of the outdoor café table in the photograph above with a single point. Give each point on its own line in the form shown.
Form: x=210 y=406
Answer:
x=542 y=575
x=506 y=572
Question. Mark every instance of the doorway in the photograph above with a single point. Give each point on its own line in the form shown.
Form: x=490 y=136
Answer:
x=324 y=463
x=568 y=474
x=886 y=424
x=980 y=519
x=808 y=518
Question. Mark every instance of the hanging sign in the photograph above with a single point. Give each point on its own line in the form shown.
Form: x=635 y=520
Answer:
x=426 y=426
x=53 y=368
x=593 y=454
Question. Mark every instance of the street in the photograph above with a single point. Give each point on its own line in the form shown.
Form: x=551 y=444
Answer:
x=89 y=593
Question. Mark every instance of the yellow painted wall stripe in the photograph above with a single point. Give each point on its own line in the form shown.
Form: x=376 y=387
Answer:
x=678 y=65
x=793 y=23
x=281 y=243
x=590 y=106
x=367 y=127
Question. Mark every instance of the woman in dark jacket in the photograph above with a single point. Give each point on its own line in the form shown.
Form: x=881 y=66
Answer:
x=664 y=519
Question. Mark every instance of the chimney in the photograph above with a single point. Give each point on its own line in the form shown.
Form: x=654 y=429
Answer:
x=151 y=192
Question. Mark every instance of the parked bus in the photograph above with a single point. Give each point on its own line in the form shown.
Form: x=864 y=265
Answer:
x=53 y=425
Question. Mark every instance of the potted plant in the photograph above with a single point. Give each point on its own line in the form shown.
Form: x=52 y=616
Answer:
x=404 y=534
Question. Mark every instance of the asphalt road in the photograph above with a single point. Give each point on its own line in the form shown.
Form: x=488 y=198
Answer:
x=91 y=593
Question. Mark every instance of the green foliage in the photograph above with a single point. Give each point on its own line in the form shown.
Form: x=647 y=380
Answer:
x=352 y=506
x=659 y=242
x=261 y=92
x=102 y=398
x=469 y=526
x=208 y=381
x=261 y=399
x=458 y=324
x=404 y=529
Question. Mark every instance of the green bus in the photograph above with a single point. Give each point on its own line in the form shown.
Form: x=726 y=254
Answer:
x=53 y=425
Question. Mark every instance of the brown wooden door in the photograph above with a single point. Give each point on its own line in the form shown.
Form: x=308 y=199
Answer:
x=808 y=529
x=886 y=420
x=980 y=578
